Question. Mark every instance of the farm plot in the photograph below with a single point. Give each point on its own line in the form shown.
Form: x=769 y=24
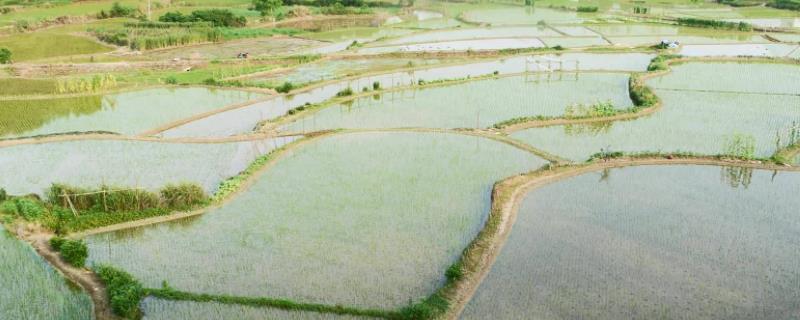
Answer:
x=331 y=69
x=158 y=309
x=32 y=168
x=226 y=50
x=31 y=289
x=127 y=113
x=688 y=242
x=480 y=103
x=701 y=117
x=243 y=120
x=460 y=45
x=473 y=34
x=362 y=219
x=522 y=15
x=777 y=50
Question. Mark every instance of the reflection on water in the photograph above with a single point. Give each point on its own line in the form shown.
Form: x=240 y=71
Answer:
x=737 y=176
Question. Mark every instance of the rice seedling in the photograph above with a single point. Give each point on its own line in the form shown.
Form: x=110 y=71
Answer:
x=362 y=220
x=640 y=242
x=31 y=289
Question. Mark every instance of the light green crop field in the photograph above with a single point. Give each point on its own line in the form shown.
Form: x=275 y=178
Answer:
x=369 y=220
x=31 y=289
x=34 y=46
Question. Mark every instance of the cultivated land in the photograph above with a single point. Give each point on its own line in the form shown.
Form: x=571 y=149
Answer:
x=358 y=159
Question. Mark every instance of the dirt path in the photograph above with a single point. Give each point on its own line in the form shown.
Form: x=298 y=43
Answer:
x=84 y=278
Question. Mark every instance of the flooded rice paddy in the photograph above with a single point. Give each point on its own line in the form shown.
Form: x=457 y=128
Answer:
x=332 y=69
x=474 y=104
x=32 y=168
x=31 y=289
x=369 y=220
x=127 y=113
x=158 y=309
x=677 y=242
x=706 y=107
x=245 y=119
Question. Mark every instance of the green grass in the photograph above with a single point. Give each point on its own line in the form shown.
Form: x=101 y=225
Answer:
x=20 y=86
x=41 y=45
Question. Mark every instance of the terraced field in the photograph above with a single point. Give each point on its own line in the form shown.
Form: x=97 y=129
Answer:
x=399 y=160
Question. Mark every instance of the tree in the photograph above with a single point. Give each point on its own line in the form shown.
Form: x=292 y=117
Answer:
x=5 y=56
x=267 y=7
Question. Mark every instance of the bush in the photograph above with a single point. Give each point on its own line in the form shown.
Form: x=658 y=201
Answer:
x=640 y=94
x=5 y=56
x=217 y=18
x=171 y=80
x=285 y=87
x=28 y=208
x=74 y=252
x=124 y=291
x=587 y=9
x=3 y=195
x=454 y=272
x=8 y=207
x=118 y=10
x=345 y=92
x=183 y=196
x=105 y=199
x=714 y=24
x=56 y=242
x=376 y=85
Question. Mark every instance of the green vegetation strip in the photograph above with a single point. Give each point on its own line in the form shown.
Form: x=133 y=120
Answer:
x=171 y=294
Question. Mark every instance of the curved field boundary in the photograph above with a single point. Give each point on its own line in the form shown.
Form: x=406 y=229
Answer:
x=366 y=75
x=280 y=153
x=273 y=124
x=644 y=77
x=507 y=196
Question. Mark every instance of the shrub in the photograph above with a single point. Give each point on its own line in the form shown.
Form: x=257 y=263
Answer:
x=28 y=208
x=56 y=242
x=171 y=80
x=217 y=18
x=376 y=85
x=183 y=196
x=640 y=94
x=5 y=56
x=105 y=199
x=118 y=10
x=587 y=9
x=267 y=7
x=345 y=92
x=714 y=24
x=3 y=195
x=8 y=207
x=454 y=272
x=124 y=291
x=285 y=87
x=74 y=252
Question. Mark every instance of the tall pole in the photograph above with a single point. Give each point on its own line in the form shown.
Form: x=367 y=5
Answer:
x=148 y=10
